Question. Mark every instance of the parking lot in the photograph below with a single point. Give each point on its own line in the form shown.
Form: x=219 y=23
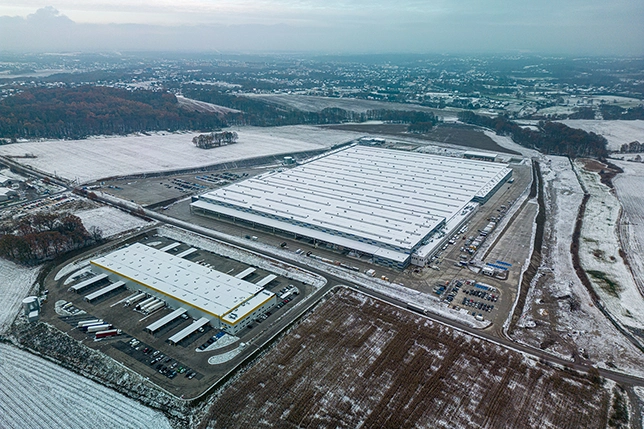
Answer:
x=158 y=192
x=181 y=367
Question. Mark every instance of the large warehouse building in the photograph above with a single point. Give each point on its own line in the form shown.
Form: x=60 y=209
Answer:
x=371 y=201
x=229 y=303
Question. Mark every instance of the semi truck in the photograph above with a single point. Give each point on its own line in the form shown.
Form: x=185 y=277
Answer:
x=89 y=325
x=107 y=333
x=154 y=307
x=136 y=298
x=145 y=308
x=144 y=303
x=84 y=323
x=98 y=328
x=416 y=308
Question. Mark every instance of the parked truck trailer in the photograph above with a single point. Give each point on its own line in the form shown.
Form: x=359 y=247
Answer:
x=146 y=302
x=136 y=298
x=154 y=307
x=84 y=323
x=144 y=308
x=89 y=325
x=107 y=333
x=98 y=328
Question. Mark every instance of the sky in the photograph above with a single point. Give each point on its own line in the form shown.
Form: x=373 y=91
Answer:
x=570 y=27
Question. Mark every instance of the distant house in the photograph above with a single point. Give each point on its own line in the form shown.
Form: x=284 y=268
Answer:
x=4 y=180
x=6 y=193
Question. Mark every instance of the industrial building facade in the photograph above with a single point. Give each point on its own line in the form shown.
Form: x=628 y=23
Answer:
x=227 y=302
x=371 y=201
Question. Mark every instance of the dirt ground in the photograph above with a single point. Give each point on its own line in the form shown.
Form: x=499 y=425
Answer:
x=359 y=362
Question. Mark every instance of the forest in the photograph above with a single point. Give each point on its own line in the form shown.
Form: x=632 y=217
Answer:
x=79 y=112
x=83 y=111
x=552 y=138
x=42 y=236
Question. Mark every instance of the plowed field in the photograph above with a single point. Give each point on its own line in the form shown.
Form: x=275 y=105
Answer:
x=358 y=362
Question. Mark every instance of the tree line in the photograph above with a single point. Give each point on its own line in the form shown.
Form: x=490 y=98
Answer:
x=42 y=236
x=79 y=112
x=552 y=138
x=207 y=141
x=261 y=113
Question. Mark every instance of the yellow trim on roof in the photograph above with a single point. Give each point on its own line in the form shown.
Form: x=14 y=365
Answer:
x=249 y=312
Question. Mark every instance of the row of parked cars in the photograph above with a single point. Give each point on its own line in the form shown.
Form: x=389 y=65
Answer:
x=162 y=362
x=480 y=305
x=482 y=294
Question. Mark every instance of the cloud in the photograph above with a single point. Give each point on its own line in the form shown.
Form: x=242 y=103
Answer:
x=546 y=26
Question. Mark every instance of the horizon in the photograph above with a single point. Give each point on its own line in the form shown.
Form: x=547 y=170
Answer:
x=588 y=29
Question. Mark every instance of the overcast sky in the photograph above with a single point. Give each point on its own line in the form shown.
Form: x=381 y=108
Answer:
x=577 y=27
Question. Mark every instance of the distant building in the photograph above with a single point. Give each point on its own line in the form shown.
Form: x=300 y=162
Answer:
x=6 y=193
x=481 y=156
x=381 y=203
x=31 y=308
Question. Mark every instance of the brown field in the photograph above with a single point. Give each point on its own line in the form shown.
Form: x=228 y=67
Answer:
x=358 y=362
x=457 y=134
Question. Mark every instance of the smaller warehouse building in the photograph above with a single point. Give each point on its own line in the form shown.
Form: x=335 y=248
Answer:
x=6 y=193
x=227 y=302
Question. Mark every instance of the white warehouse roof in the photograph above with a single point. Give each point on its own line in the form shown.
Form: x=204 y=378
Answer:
x=375 y=195
x=211 y=291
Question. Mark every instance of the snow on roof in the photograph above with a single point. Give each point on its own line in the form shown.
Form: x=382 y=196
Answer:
x=208 y=290
x=7 y=192
x=301 y=230
x=185 y=332
x=375 y=195
x=247 y=307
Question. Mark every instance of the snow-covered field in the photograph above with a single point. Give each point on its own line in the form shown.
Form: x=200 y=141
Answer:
x=313 y=103
x=36 y=393
x=15 y=284
x=99 y=157
x=202 y=106
x=110 y=220
x=628 y=186
x=599 y=253
x=616 y=132
x=507 y=143
x=558 y=309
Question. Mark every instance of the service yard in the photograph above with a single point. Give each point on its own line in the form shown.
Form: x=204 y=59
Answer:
x=187 y=368
x=359 y=362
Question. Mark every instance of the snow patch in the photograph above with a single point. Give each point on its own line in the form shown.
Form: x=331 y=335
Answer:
x=16 y=282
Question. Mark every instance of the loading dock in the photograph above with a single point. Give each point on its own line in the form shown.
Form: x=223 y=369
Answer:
x=169 y=247
x=247 y=272
x=185 y=332
x=101 y=292
x=266 y=280
x=186 y=252
x=87 y=283
x=152 y=328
